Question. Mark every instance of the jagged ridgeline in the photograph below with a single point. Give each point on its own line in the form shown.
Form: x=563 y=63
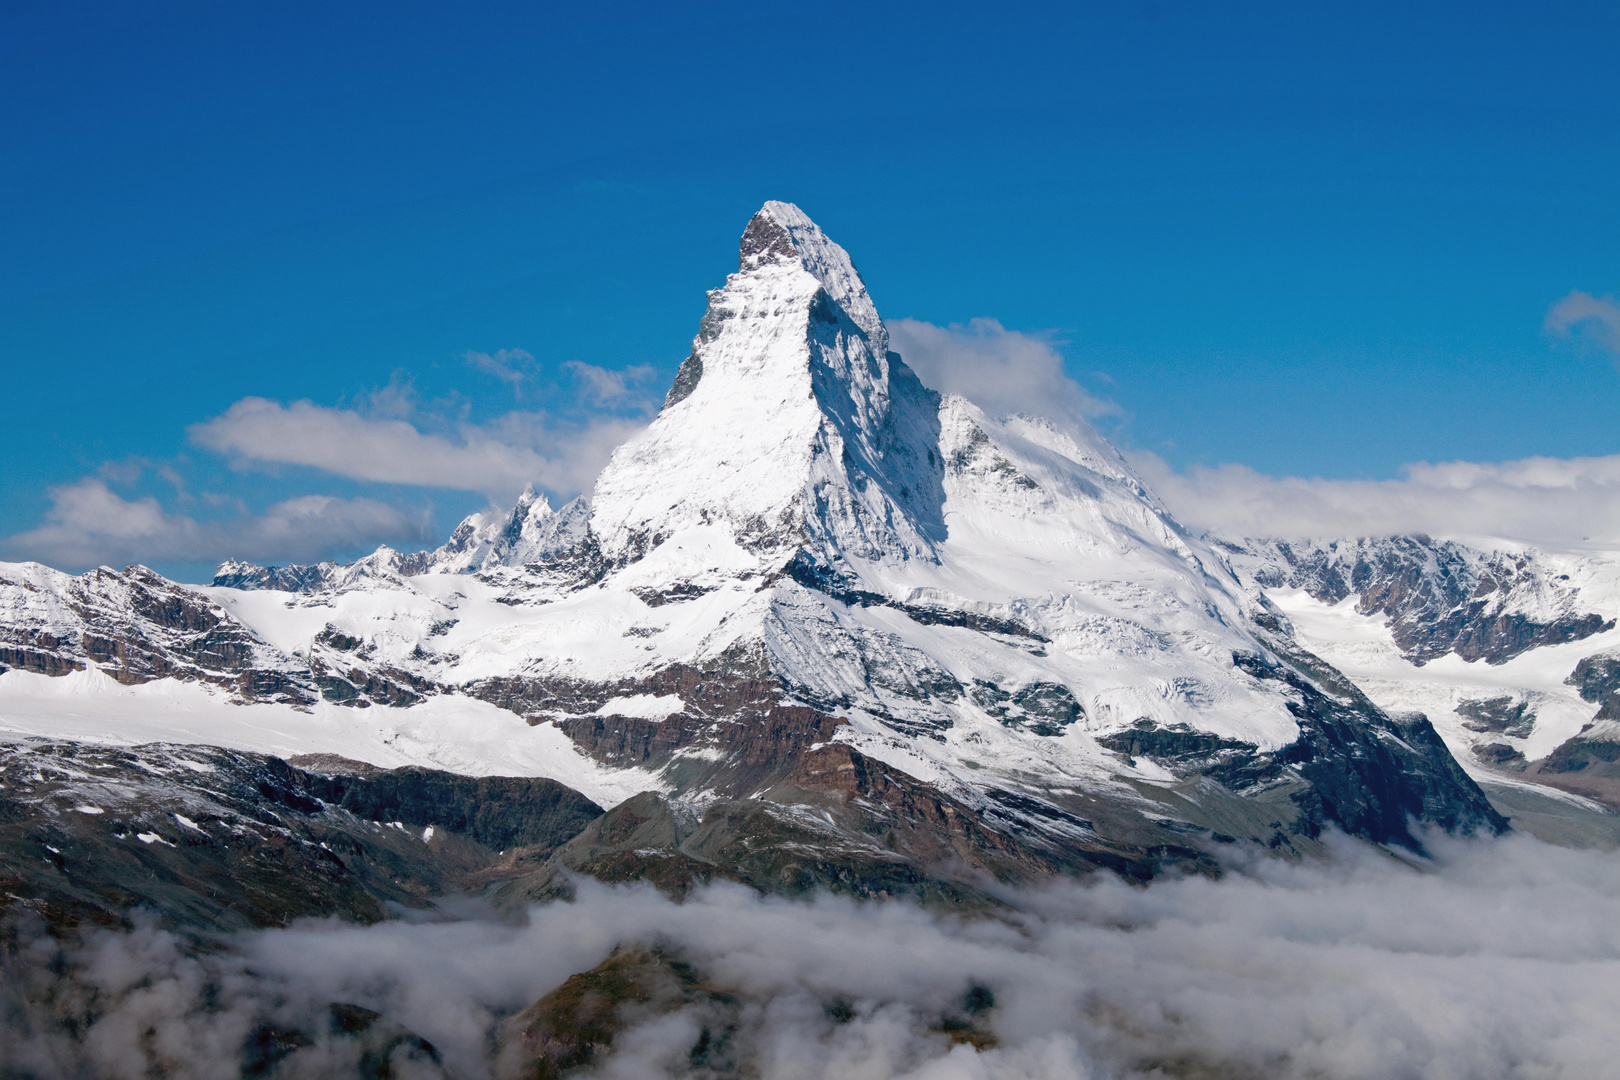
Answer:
x=818 y=626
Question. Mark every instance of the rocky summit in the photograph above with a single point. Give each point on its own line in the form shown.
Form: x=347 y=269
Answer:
x=816 y=627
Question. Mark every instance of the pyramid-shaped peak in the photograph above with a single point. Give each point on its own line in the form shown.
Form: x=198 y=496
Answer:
x=780 y=233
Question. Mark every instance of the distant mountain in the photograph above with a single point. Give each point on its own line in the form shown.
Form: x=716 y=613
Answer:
x=1510 y=652
x=836 y=628
x=1440 y=596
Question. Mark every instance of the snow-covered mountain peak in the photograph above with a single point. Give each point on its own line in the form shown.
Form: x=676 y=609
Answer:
x=789 y=425
x=782 y=233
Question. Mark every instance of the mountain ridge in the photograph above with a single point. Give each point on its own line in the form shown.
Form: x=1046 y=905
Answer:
x=809 y=553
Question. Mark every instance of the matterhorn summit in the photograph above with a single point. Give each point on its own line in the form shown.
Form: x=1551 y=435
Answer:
x=790 y=426
x=817 y=623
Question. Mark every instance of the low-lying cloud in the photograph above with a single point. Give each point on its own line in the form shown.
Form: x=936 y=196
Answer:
x=1500 y=960
x=88 y=524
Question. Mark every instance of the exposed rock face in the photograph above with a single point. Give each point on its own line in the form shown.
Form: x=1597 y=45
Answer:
x=240 y=575
x=842 y=822
x=1588 y=764
x=1498 y=715
x=1440 y=596
x=1597 y=677
x=1370 y=773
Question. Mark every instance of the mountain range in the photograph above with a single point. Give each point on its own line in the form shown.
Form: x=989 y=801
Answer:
x=818 y=626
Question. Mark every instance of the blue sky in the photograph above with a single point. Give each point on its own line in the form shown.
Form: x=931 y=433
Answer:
x=1308 y=240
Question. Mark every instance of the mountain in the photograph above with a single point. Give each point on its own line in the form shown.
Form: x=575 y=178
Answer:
x=828 y=628
x=1440 y=596
x=1511 y=652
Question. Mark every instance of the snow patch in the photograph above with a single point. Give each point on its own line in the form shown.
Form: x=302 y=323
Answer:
x=644 y=706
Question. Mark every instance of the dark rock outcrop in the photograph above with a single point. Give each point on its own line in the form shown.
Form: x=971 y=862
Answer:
x=1499 y=715
x=843 y=822
x=496 y=811
x=217 y=839
x=1370 y=773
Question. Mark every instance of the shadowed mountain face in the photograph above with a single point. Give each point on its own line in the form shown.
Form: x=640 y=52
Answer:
x=842 y=632
x=215 y=839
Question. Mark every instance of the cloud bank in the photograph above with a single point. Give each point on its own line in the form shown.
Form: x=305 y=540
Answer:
x=1500 y=960
x=1561 y=503
x=390 y=439
x=89 y=524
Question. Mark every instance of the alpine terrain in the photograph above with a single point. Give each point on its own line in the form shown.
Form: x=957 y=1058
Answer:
x=817 y=628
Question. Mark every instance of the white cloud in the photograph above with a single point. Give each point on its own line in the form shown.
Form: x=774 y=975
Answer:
x=90 y=524
x=1500 y=960
x=497 y=459
x=1002 y=371
x=1596 y=317
x=1553 y=502
x=511 y=366
x=389 y=439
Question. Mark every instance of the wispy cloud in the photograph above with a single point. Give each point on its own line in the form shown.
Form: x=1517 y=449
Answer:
x=90 y=524
x=1002 y=371
x=607 y=387
x=1593 y=317
x=511 y=366
x=611 y=388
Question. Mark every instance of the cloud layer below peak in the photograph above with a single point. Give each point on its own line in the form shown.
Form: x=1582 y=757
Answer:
x=1499 y=959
